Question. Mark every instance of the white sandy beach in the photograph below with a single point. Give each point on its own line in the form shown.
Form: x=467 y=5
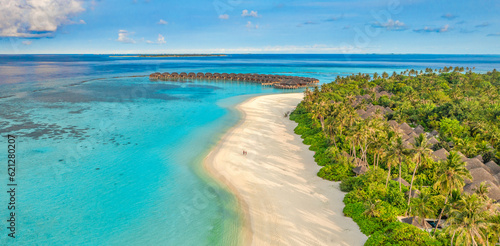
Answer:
x=283 y=200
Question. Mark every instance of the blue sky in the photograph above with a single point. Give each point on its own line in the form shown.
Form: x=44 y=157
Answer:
x=258 y=26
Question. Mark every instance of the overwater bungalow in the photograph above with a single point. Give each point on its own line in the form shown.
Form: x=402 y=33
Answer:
x=154 y=75
x=278 y=81
x=165 y=75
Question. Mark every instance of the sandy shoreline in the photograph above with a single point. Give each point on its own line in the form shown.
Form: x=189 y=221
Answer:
x=283 y=201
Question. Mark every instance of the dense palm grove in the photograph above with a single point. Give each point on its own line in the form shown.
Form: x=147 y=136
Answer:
x=460 y=106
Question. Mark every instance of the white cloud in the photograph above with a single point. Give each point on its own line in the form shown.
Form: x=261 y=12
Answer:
x=391 y=25
x=249 y=25
x=27 y=42
x=82 y=22
x=445 y=28
x=36 y=18
x=224 y=17
x=160 y=40
x=252 y=13
x=123 y=36
x=162 y=22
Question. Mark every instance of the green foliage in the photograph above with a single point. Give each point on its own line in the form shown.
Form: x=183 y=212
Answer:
x=449 y=128
x=463 y=107
x=340 y=169
x=401 y=234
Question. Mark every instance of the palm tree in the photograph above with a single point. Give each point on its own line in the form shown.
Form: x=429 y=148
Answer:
x=422 y=207
x=452 y=173
x=421 y=151
x=371 y=209
x=395 y=155
x=386 y=139
x=482 y=190
x=469 y=221
x=378 y=147
x=318 y=112
x=396 y=152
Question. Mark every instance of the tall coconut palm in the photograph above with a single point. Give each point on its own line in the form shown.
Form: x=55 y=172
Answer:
x=422 y=207
x=318 y=112
x=469 y=221
x=396 y=151
x=378 y=147
x=393 y=155
x=452 y=173
x=421 y=151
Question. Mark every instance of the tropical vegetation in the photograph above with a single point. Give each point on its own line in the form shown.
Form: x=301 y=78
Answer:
x=461 y=106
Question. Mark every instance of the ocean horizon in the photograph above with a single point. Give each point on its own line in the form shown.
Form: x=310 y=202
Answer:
x=108 y=157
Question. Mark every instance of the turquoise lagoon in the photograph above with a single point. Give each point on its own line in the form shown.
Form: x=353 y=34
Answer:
x=104 y=158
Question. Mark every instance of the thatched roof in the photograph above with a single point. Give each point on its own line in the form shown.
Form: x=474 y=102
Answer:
x=388 y=110
x=434 y=133
x=494 y=190
x=358 y=162
x=367 y=115
x=432 y=140
x=360 y=170
x=464 y=158
x=383 y=93
x=407 y=144
x=406 y=128
x=414 y=193
x=376 y=108
x=479 y=157
x=393 y=123
x=441 y=154
x=494 y=168
x=419 y=129
x=473 y=163
x=494 y=193
x=416 y=221
x=471 y=187
x=365 y=96
x=411 y=139
x=402 y=181
x=413 y=135
x=360 y=112
x=481 y=174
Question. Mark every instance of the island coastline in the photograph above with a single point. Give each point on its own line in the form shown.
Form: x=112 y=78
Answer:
x=265 y=181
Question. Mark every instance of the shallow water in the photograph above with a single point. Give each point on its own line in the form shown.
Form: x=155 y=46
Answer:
x=106 y=159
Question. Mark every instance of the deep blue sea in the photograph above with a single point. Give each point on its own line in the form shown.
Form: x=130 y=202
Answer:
x=106 y=157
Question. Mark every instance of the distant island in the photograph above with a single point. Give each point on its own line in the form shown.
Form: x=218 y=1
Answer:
x=170 y=55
